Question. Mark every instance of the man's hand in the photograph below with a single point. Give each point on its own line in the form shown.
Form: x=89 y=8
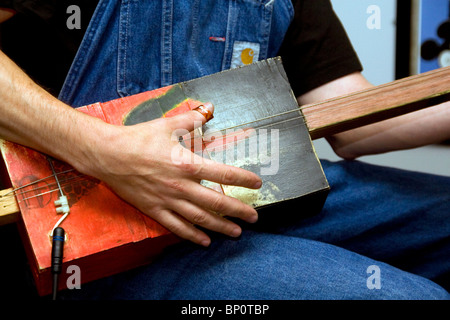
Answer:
x=147 y=167
x=143 y=164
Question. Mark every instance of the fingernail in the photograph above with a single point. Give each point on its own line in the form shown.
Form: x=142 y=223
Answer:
x=209 y=106
x=253 y=218
x=236 y=232
x=258 y=185
x=205 y=243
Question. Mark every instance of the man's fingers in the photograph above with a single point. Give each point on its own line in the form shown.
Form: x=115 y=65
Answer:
x=181 y=227
x=205 y=219
x=206 y=169
x=219 y=203
x=192 y=119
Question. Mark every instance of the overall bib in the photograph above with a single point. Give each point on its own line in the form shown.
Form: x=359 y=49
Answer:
x=133 y=46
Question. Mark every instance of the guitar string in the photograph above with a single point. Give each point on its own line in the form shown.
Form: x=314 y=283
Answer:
x=36 y=181
x=23 y=192
x=63 y=184
x=70 y=170
x=329 y=109
x=418 y=78
x=211 y=133
x=296 y=110
x=82 y=177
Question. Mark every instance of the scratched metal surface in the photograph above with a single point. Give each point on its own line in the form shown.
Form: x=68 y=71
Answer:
x=241 y=98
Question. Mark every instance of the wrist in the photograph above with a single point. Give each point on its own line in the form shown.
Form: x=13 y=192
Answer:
x=90 y=138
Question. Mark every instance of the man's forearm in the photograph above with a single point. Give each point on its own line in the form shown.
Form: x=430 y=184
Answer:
x=33 y=117
x=143 y=163
x=412 y=130
x=6 y=14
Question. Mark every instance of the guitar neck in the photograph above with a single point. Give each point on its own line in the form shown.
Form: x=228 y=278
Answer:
x=342 y=113
x=378 y=103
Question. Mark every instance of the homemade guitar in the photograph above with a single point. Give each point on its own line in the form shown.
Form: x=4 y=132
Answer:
x=257 y=125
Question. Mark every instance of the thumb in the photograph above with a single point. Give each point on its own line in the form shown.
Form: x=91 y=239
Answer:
x=192 y=119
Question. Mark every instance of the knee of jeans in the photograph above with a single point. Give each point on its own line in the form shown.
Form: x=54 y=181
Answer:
x=433 y=292
x=409 y=287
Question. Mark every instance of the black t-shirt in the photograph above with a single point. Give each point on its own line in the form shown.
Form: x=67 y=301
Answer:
x=39 y=41
x=315 y=50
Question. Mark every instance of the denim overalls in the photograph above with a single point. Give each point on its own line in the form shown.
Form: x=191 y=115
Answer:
x=133 y=46
x=372 y=214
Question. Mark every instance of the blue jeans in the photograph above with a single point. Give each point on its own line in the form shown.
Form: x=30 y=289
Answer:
x=383 y=234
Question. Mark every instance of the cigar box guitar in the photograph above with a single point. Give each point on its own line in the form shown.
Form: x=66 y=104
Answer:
x=257 y=125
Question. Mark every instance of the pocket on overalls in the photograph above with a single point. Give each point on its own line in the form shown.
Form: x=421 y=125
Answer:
x=165 y=42
x=253 y=26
